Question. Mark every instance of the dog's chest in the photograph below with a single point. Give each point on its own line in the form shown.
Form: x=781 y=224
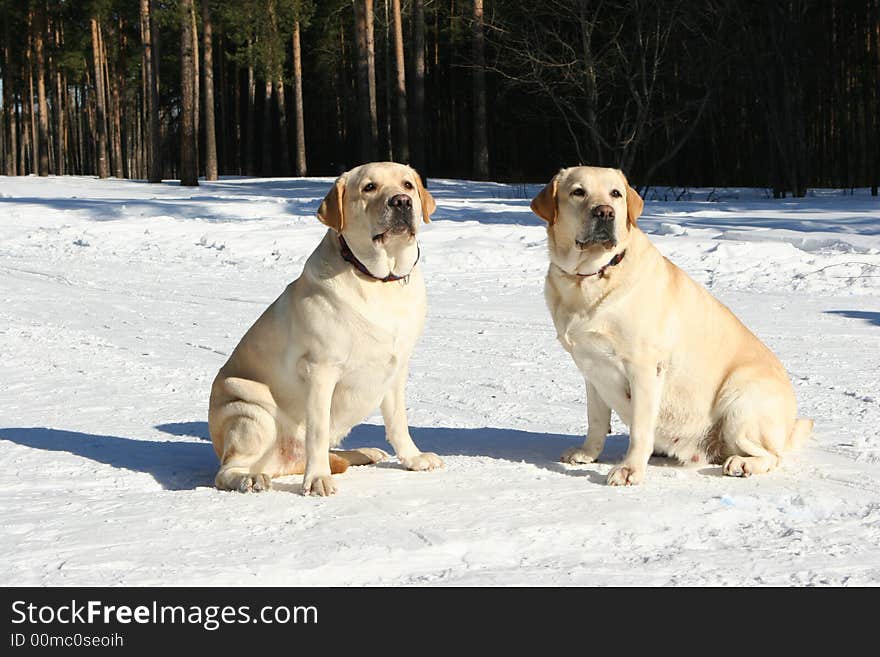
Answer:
x=598 y=357
x=383 y=334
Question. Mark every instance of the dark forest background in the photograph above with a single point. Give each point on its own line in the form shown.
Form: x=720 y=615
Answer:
x=783 y=95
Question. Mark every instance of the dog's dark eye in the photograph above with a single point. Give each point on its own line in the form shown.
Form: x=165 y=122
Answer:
x=616 y=193
x=578 y=192
x=407 y=184
x=370 y=187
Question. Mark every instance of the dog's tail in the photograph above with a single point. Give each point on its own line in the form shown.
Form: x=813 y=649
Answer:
x=800 y=432
x=338 y=464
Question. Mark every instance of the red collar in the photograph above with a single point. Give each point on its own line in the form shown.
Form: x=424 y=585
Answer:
x=349 y=256
x=601 y=272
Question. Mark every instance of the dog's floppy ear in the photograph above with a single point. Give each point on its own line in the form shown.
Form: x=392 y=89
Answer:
x=544 y=204
x=634 y=205
x=331 y=210
x=428 y=203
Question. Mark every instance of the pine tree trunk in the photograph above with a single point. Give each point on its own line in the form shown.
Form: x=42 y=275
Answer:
x=237 y=155
x=266 y=169
x=154 y=155
x=9 y=107
x=481 y=147
x=12 y=168
x=418 y=54
x=196 y=87
x=874 y=38
x=267 y=127
x=223 y=150
x=27 y=138
x=60 y=128
x=365 y=104
x=402 y=122
x=115 y=116
x=250 y=131
x=208 y=63
x=102 y=165
x=276 y=71
x=188 y=166
x=3 y=138
x=386 y=124
x=34 y=138
x=108 y=105
x=298 y=101
x=283 y=140
x=40 y=55
x=371 y=76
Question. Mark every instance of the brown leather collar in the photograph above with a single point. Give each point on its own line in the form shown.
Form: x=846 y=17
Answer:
x=349 y=256
x=611 y=263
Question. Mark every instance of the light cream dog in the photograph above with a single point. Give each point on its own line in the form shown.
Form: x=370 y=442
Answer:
x=335 y=345
x=684 y=374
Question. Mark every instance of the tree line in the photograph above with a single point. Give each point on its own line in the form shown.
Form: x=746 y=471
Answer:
x=782 y=94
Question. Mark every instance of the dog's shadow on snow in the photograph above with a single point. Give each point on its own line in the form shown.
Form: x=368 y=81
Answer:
x=186 y=465
x=174 y=464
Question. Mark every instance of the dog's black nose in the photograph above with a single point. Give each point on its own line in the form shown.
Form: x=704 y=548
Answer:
x=400 y=201
x=605 y=212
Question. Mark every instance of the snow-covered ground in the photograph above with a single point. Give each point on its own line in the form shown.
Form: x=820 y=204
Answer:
x=120 y=300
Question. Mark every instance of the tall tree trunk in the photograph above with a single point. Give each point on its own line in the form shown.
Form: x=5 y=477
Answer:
x=60 y=128
x=188 y=165
x=27 y=138
x=34 y=141
x=368 y=125
x=250 y=131
x=4 y=147
x=276 y=71
x=9 y=106
x=283 y=141
x=12 y=168
x=402 y=122
x=208 y=63
x=223 y=149
x=386 y=124
x=371 y=76
x=148 y=34
x=481 y=146
x=103 y=166
x=196 y=85
x=118 y=163
x=298 y=101
x=40 y=55
x=418 y=54
x=267 y=127
x=238 y=156
x=341 y=86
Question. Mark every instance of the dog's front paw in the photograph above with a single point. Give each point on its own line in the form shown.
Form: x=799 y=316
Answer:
x=422 y=461
x=578 y=455
x=321 y=485
x=626 y=475
x=244 y=483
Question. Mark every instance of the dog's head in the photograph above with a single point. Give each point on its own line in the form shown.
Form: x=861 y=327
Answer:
x=377 y=206
x=590 y=213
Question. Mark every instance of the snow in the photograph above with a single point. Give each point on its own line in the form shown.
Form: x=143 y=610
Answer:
x=119 y=301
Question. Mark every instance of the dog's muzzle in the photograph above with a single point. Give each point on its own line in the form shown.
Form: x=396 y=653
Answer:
x=398 y=218
x=599 y=228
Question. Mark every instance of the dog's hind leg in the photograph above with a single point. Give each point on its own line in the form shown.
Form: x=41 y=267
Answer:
x=756 y=430
x=753 y=459
x=247 y=439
